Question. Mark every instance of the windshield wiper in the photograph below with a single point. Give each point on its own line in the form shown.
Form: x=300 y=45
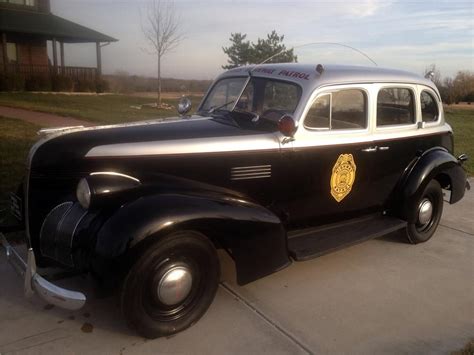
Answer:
x=213 y=109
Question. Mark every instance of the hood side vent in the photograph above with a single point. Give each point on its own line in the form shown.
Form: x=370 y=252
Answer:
x=251 y=172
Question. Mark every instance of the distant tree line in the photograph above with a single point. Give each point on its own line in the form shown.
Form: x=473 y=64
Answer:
x=453 y=89
x=123 y=82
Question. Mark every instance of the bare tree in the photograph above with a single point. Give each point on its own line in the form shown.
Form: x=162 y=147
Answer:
x=161 y=27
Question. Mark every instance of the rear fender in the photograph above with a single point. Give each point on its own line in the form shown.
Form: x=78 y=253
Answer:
x=436 y=163
x=253 y=235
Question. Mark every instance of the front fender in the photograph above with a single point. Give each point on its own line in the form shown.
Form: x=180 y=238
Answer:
x=436 y=163
x=252 y=234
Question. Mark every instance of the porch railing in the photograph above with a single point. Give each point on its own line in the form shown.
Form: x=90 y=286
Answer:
x=27 y=70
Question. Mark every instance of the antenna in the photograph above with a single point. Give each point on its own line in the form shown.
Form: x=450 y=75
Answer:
x=317 y=43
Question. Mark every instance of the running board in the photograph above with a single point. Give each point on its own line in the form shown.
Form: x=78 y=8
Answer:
x=310 y=243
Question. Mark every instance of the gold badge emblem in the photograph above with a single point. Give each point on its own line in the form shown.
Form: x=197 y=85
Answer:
x=343 y=176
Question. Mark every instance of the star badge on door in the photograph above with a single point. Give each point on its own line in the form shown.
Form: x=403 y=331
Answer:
x=343 y=176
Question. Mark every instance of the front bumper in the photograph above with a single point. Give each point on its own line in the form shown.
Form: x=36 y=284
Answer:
x=33 y=282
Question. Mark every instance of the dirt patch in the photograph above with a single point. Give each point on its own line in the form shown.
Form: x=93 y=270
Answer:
x=87 y=328
x=40 y=118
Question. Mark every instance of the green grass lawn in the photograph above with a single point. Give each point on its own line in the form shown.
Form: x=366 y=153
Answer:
x=16 y=138
x=462 y=122
x=103 y=109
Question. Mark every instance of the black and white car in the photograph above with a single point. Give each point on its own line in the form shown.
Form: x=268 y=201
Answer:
x=281 y=163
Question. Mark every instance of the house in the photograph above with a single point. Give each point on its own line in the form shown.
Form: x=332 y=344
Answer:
x=27 y=28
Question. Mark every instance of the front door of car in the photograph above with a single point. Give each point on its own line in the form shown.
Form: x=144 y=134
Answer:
x=331 y=159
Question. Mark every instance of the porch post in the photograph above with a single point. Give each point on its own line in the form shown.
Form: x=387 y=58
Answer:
x=4 y=50
x=61 y=53
x=99 y=59
x=55 y=57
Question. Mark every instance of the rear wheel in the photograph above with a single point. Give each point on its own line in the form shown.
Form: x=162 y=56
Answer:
x=428 y=210
x=171 y=285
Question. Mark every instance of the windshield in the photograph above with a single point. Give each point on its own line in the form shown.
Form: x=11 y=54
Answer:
x=264 y=97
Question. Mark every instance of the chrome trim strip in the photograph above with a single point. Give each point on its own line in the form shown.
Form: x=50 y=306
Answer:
x=114 y=174
x=251 y=177
x=251 y=167
x=250 y=170
x=268 y=173
x=188 y=146
x=46 y=131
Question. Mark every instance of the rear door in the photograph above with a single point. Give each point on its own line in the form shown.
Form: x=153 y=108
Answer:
x=396 y=136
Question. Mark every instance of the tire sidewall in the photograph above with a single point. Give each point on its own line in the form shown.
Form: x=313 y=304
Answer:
x=434 y=193
x=135 y=283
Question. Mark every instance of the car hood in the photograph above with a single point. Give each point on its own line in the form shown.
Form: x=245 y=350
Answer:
x=68 y=150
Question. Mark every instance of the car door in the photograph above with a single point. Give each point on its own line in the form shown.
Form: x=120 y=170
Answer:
x=395 y=136
x=331 y=158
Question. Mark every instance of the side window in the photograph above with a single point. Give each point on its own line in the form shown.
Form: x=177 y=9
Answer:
x=280 y=96
x=395 y=106
x=319 y=114
x=349 y=109
x=344 y=109
x=429 y=107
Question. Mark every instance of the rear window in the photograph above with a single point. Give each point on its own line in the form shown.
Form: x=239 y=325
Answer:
x=395 y=106
x=429 y=107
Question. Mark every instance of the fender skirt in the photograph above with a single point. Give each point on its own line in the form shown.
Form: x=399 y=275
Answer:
x=433 y=164
x=253 y=235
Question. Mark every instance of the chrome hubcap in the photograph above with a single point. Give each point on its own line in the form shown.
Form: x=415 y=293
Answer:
x=425 y=212
x=175 y=285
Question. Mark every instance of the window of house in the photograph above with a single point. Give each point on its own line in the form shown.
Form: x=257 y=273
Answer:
x=20 y=2
x=344 y=109
x=395 y=106
x=429 y=107
x=12 y=54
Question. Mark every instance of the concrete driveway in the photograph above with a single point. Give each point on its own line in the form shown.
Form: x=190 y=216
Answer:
x=383 y=296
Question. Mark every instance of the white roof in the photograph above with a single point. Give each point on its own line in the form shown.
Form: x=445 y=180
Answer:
x=307 y=76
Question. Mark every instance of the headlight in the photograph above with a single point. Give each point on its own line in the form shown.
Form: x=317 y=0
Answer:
x=83 y=193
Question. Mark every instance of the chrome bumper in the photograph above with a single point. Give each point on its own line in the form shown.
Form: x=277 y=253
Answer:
x=49 y=292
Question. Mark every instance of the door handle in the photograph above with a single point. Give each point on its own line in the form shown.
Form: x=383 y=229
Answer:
x=370 y=149
x=384 y=148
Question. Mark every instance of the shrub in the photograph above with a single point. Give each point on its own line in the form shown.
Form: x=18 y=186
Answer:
x=62 y=83
x=102 y=85
x=12 y=82
x=38 y=83
x=84 y=85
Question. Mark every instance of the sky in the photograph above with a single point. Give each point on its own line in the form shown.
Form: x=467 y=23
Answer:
x=407 y=35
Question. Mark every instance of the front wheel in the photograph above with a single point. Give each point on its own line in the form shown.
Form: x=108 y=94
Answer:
x=171 y=285
x=428 y=210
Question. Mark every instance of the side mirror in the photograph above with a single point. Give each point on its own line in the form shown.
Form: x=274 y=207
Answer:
x=287 y=126
x=184 y=105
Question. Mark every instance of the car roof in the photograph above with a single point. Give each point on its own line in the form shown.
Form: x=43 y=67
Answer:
x=309 y=78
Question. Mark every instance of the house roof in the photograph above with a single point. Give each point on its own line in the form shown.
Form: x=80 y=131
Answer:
x=48 y=26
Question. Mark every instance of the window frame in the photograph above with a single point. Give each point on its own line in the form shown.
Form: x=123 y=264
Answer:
x=438 y=103
x=332 y=89
x=416 y=108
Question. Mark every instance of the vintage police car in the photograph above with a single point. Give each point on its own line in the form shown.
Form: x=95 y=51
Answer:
x=281 y=162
